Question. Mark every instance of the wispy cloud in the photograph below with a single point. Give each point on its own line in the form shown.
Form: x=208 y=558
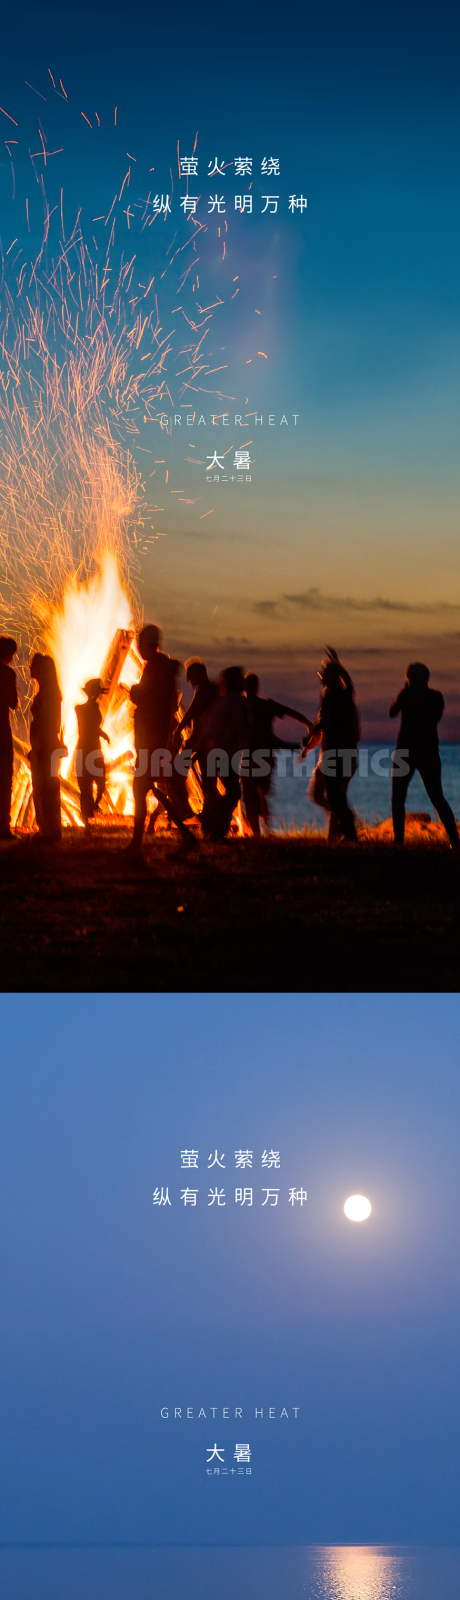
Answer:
x=266 y=608
x=315 y=600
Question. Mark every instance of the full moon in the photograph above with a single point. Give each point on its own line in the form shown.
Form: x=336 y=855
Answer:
x=357 y=1208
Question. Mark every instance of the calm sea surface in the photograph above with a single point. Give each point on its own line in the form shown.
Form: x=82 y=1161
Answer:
x=370 y=796
x=308 y=1572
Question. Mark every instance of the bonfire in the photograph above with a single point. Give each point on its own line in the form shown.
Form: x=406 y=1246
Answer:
x=91 y=634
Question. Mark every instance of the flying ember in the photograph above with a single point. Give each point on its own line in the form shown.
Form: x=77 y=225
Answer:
x=83 y=377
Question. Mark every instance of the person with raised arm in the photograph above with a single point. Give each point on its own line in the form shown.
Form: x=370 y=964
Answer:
x=263 y=744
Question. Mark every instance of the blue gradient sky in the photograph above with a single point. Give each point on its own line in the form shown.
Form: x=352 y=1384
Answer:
x=360 y=325
x=112 y=1308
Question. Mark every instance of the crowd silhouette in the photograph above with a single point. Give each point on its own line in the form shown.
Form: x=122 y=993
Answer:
x=226 y=736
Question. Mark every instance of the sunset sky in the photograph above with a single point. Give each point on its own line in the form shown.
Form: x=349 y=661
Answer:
x=348 y=531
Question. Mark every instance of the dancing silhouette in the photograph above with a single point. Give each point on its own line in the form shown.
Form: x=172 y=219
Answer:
x=46 y=746
x=337 y=729
x=263 y=744
x=421 y=709
x=224 y=733
x=90 y=733
x=155 y=699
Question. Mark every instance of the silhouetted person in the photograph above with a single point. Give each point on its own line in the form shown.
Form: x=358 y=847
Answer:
x=8 y=702
x=205 y=692
x=421 y=709
x=224 y=728
x=175 y=782
x=155 y=699
x=46 y=744
x=263 y=743
x=90 y=733
x=337 y=730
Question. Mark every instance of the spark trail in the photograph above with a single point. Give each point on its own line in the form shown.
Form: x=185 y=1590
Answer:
x=87 y=362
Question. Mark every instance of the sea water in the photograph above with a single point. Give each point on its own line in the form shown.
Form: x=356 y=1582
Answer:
x=369 y=795
x=299 y=1572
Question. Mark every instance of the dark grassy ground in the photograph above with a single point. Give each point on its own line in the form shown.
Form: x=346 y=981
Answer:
x=276 y=914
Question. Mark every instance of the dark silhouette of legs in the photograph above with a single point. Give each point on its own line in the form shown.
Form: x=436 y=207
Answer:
x=430 y=773
x=177 y=792
x=37 y=792
x=218 y=808
x=208 y=787
x=89 y=805
x=334 y=830
x=399 y=786
x=6 y=784
x=254 y=795
x=211 y=799
x=336 y=790
x=47 y=800
x=141 y=788
x=85 y=784
x=100 y=788
x=51 y=804
x=251 y=802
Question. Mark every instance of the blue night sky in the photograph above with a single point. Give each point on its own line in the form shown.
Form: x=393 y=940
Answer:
x=112 y=1307
x=349 y=527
